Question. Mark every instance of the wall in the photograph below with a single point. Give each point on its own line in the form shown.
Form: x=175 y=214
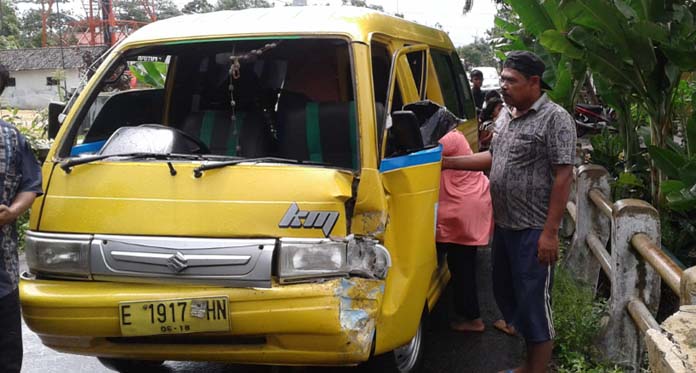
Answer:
x=30 y=90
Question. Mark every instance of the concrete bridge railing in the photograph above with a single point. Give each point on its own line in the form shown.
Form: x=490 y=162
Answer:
x=622 y=239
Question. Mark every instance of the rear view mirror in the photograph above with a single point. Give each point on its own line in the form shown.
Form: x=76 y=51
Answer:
x=55 y=118
x=405 y=135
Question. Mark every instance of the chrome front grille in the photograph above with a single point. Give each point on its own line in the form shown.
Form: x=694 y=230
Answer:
x=229 y=262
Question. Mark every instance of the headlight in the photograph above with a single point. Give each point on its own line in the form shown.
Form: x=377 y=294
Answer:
x=301 y=259
x=64 y=255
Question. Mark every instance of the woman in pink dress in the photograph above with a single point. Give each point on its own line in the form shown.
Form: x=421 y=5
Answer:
x=464 y=222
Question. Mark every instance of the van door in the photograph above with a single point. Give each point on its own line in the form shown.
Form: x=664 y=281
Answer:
x=411 y=180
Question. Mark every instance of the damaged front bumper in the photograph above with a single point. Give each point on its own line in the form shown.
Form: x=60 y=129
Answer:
x=327 y=323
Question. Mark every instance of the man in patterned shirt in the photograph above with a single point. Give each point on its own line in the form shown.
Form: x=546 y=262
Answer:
x=20 y=178
x=531 y=163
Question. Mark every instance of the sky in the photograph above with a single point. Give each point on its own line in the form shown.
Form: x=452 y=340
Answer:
x=461 y=28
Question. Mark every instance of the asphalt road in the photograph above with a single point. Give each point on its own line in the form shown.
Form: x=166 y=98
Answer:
x=446 y=350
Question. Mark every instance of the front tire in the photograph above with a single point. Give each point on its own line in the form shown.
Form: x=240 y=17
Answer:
x=405 y=359
x=131 y=366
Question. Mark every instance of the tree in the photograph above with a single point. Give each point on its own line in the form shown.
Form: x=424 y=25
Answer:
x=363 y=4
x=638 y=49
x=478 y=53
x=9 y=26
x=134 y=10
x=57 y=25
x=197 y=6
x=241 y=4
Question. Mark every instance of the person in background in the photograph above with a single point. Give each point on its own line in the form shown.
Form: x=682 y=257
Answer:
x=464 y=222
x=531 y=162
x=476 y=82
x=487 y=122
x=20 y=175
x=489 y=95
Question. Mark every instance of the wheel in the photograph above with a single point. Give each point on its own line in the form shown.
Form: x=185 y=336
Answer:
x=131 y=366
x=405 y=359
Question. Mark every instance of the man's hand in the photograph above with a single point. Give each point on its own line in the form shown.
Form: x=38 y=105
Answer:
x=6 y=215
x=547 y=251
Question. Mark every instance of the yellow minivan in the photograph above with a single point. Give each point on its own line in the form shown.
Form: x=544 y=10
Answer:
x=244 y=186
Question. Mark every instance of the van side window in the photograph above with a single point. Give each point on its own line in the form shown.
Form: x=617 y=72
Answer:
x=455 y=90
x=416 y=62
x=381 y=65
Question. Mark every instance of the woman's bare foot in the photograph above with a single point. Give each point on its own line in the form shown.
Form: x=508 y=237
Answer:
x=475 y=325
x=505 y=327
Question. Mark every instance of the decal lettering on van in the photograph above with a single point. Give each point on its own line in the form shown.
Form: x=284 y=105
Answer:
x=296 y=218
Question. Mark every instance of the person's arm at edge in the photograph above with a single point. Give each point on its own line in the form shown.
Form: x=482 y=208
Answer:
x=548 y=242
x=475 y=162
x=20 y=204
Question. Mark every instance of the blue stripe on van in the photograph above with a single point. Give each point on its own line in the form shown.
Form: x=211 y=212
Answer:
x=89 y=147
x=414 y=159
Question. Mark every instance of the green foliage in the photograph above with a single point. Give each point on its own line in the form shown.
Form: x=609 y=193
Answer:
x=22 y=228
x=241 y=4
x=34 y=131
x=150 y=73
x=540 y=28
x=478 y=53
x=364 y=4
x=9 y=27
x=197 y=6
x=577 y=318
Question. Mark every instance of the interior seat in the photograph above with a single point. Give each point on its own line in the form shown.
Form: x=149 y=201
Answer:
x=323 y=132
x=248 y=136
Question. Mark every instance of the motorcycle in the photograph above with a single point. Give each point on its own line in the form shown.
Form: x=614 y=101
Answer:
x=593 y=118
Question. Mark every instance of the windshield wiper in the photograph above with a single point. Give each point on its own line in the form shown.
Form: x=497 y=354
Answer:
x=198 y=171
x=70 y=163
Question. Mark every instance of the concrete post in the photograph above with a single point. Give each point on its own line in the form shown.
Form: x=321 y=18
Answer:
x=688 y=287
x=671 y=348
x=580 y=260
x=631 y=277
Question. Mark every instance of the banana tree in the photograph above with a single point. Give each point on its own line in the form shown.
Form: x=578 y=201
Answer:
x=565 y=73
x=639 y=47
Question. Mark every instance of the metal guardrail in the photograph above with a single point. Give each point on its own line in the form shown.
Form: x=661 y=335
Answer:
x=634 y=227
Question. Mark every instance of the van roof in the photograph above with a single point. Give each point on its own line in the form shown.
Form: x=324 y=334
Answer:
x=356 y=23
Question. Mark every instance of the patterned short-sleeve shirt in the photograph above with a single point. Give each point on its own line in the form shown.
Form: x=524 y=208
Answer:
x=524 y=153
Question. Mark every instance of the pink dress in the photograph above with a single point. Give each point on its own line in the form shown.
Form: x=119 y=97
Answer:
x=464 y=212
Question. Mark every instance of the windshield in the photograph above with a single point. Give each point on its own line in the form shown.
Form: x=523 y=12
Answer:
x=286 y=97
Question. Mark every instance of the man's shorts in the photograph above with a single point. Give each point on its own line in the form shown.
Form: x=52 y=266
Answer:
x=522 y=285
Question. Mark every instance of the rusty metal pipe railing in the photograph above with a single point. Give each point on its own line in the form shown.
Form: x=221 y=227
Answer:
x=600 y=253
x=641 y=316
x=601 y=201
x=572 y=210
x=670 y=272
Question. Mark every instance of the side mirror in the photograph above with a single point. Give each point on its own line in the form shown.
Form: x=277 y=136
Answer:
x=405 y=134
x=55 y=118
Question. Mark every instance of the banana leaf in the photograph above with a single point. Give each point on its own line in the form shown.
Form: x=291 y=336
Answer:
x=667 y=160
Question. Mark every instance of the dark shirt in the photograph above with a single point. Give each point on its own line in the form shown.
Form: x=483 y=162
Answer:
x=30 y=181
x=524 y=153
x=478 y=97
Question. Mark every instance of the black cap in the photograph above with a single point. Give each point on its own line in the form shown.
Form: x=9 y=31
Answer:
x=528 y=64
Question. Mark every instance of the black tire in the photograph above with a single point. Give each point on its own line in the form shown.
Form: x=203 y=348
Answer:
x=131 y=366
x=405 y=359
x=580 y=130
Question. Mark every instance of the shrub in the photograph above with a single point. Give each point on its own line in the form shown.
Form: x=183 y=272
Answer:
x=577 y=319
